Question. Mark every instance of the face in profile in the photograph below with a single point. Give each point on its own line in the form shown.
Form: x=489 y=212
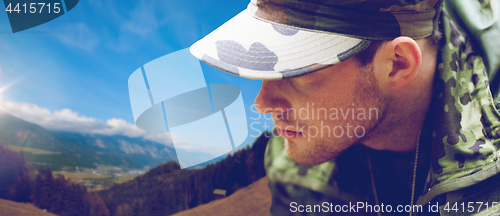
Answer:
x=322 y=113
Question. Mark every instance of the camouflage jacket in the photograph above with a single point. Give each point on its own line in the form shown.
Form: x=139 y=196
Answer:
x=458 y=158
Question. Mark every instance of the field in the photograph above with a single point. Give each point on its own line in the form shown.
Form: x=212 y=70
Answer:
x=124 y=178
x=95 y=182
x=29 y=150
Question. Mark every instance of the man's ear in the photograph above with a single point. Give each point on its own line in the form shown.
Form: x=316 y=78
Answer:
x=406 y=57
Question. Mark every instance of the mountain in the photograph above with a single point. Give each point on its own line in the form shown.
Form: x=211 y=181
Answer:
x=142 y=151
x=58 y=150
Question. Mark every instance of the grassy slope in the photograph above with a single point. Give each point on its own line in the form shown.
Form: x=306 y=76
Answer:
x=254 y=199
x=20 y=209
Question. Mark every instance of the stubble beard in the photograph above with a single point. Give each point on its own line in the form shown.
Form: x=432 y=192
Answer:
x=315 y=155
x=318 y=151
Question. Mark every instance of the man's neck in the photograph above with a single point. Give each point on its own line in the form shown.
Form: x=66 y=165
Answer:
x=400 y=129
x=403 y=138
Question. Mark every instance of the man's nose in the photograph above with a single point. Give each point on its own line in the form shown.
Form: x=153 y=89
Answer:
x=272 y=97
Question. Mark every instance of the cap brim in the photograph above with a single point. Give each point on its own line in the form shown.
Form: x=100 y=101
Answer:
x=256 y=49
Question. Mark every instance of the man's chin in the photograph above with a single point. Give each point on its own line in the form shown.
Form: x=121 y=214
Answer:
x=307 y=154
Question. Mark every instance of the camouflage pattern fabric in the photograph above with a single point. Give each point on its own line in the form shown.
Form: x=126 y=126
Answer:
x=466 y=130
x=462 y=162
x=365 y=19
x=278 y=39
x=482 y=27
x=343 y=181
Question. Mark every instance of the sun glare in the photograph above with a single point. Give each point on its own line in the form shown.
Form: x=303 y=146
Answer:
x=3 y=89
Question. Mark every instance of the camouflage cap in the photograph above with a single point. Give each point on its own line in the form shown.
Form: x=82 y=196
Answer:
x=276 y=39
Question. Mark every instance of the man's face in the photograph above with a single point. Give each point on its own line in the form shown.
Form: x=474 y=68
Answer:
x=322 y=113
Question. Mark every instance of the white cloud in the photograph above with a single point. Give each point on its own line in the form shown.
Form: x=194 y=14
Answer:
x=143 y=21
x=153 y=22
x=68 y=120
x=79 y=35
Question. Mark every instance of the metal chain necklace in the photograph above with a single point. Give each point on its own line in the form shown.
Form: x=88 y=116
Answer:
x=413 y=179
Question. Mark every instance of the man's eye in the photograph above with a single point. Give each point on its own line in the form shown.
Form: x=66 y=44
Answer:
x=306 y=81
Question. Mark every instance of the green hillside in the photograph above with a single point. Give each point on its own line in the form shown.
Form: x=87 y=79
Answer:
x=143 y=152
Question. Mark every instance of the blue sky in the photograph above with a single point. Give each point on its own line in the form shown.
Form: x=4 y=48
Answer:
x=77 y=66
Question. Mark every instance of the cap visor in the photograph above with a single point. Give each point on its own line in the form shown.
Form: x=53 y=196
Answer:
x=252 y=48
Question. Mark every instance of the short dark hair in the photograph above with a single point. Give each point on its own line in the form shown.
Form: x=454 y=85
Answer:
x=365 y=57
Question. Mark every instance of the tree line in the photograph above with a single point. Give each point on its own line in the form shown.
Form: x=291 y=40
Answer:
x=57 y=195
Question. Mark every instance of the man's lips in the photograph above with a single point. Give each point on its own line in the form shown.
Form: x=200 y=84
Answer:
x=289 y=134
